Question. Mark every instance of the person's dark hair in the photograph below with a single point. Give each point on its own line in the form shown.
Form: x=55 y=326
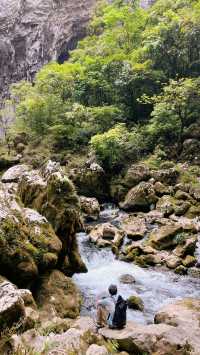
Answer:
x=112 y=290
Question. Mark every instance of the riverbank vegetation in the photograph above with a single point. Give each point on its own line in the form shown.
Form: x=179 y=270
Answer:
x=131 y=85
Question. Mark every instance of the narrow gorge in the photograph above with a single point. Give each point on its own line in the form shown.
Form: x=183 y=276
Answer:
x=99 y=176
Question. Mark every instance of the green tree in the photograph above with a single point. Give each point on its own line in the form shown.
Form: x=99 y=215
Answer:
x=171 y=39
x=80 y=123
x=174 y=110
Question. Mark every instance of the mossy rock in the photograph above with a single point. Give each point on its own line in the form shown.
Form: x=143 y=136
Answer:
x=56 y=326
x=51 y=193
x=91 y=182
x=169 y=205
x=135 y=302
x=26 y=239
x=193 y=212
x=164 y=237
x=189 y=261
x=181 y=270
x=58 y=294
x=135 y=174
x=140 y=198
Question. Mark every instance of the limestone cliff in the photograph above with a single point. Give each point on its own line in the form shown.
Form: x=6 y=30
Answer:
x=33 y=32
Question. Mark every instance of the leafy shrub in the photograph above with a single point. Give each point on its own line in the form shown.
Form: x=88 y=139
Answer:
x=116 y=146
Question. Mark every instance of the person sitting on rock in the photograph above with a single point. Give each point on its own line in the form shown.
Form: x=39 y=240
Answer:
x=111 y=310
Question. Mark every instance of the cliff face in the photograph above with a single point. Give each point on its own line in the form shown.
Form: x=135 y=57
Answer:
x=146 y=3
x=33 y=32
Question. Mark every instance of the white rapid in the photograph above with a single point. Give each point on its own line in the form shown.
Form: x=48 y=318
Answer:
x=156 y=287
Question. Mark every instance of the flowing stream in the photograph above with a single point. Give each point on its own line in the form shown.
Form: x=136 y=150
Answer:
x=156 y=286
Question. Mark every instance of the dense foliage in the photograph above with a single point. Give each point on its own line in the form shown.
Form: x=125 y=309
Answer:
x=132 y=83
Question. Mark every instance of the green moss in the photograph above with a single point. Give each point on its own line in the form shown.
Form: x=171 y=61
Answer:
x=190 y=175
x=135 y=302
x=57 y=327
x=155 y=160
x=180 y=238
x=58 y=291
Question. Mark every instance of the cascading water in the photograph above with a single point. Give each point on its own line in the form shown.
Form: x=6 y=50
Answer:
x=198 y=250
x=156 y=287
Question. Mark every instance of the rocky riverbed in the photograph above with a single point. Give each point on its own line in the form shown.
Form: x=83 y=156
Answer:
x=155 y=286
x=59 y=251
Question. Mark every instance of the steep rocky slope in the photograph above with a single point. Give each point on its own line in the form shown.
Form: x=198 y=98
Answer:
x=33 y=32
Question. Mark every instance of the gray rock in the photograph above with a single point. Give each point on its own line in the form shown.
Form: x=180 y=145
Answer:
x=178 y=328
x=34 y=32
x=140 y=198
x=97 y=350
x=127 y=279
x=194 y=272
x=15 y=173
x=90 y=208
x=13 y=303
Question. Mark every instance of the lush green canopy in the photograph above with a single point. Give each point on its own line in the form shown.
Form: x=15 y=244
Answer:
x=136 y=71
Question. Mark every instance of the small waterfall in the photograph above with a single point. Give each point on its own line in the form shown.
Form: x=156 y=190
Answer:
x=198 y=250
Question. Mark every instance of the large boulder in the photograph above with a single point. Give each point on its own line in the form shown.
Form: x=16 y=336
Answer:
x=169 y=205
x=193 y=212
x=136 y=339
x=173 y=262
x=90 y=181
x=13 y=302
x=12 y=308
x=180 y=236
x=140 y=253
x=140 y=198
x=176 y=331
x=51 y=193
x=187 y=247
x=15 y=173
x=166 y=176
x=90 y=208
x=75 y=340
x=127 y=279
x=57 y=295
x=164 y=237
x=135 y=302
x=166 y=205
x=134 y=227
x=106 y=234
x=183 y=313
x=28 y=243
x=69 y=342
x=135 y=174
x=162 y=189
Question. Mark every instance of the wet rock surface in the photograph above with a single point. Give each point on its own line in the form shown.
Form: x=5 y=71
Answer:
x=90 y=208
x=106 y=234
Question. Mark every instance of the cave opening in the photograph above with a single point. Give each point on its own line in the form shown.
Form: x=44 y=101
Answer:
x=69 y=46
